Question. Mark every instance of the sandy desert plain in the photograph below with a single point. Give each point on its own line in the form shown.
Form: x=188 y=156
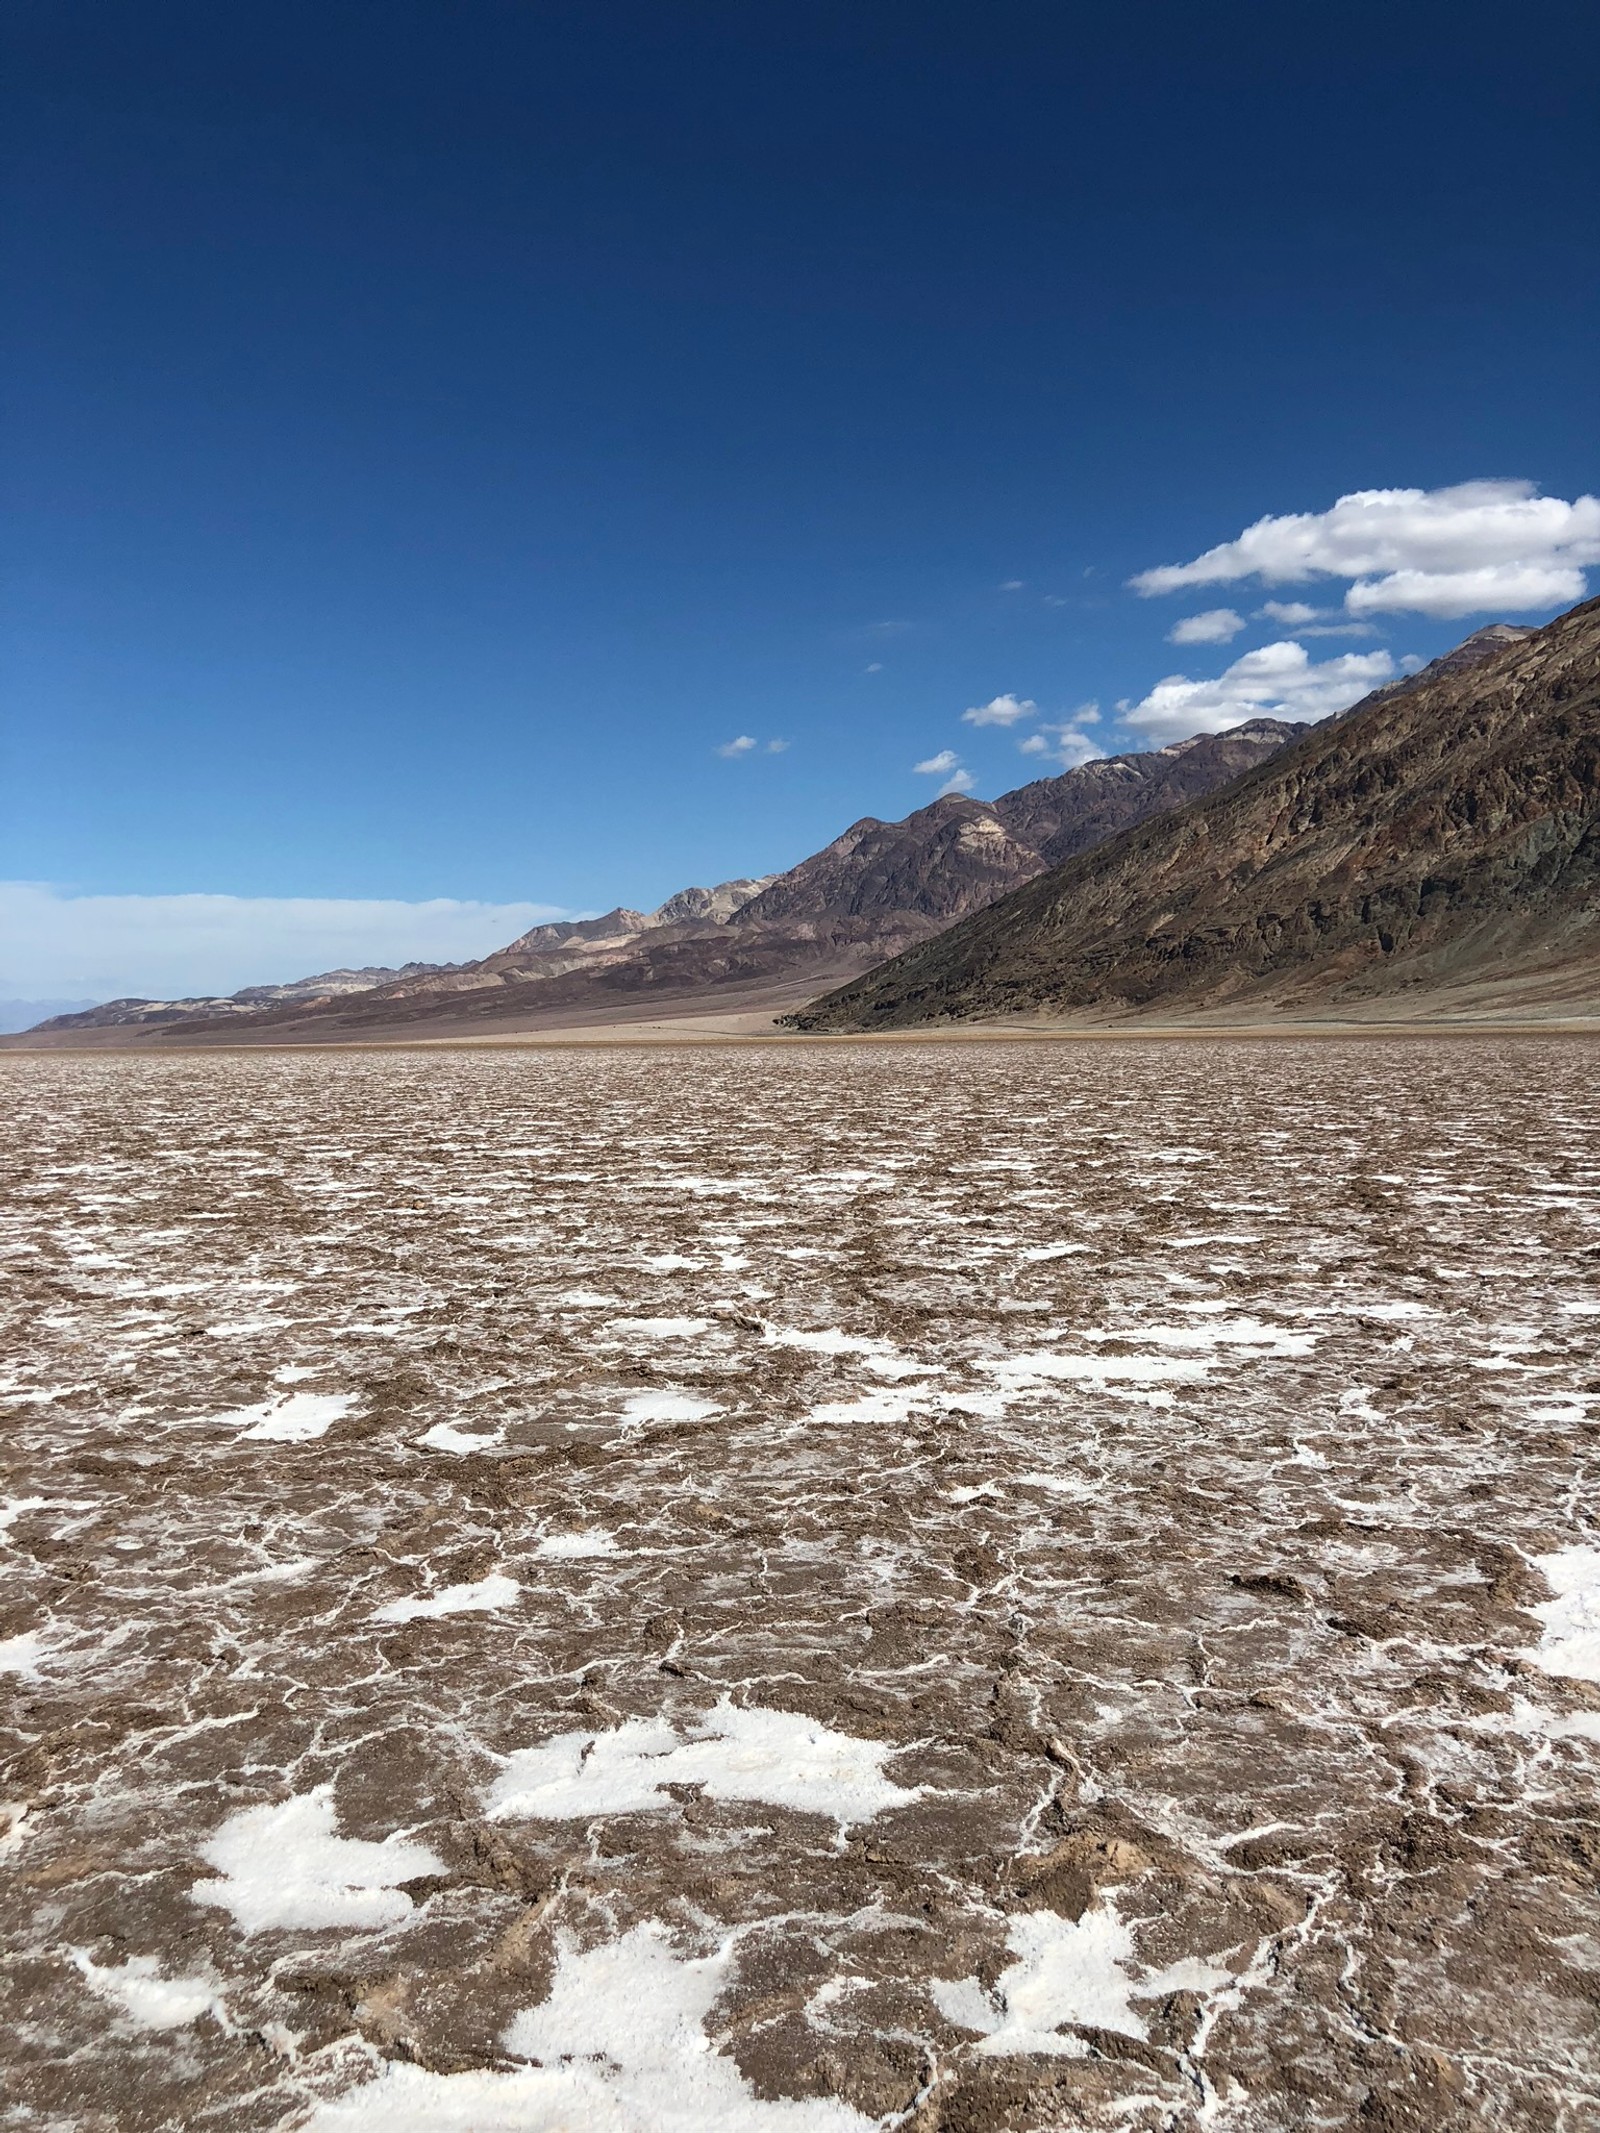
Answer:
x=804 y=1590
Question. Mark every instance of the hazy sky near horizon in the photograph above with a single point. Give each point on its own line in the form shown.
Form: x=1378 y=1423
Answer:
x=540 y=455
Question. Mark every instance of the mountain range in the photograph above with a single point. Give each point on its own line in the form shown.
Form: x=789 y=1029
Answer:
x=1435 y=850
x=768 y=942
x=1431 y=851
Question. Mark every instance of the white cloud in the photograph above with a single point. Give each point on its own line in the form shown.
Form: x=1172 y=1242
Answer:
x=1013 y=585
x=172 y=947
x=1067 y=745
x=1000 y=711
x=947 y=765
x=876 y=667
x=741 y=745
x=1215 y=626
x=776 y=747
x=1277 y=681
x=1507 y=588
x=1293 y=614
x=1480 y=546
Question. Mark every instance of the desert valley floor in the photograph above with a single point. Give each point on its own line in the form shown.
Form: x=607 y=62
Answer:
x=800 y=1590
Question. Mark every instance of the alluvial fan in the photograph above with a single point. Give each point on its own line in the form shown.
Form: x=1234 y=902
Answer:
x=965 y=1588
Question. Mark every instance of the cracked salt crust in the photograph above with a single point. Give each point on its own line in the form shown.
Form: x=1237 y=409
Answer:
x=1571 y=1641
x=622 y=2048
x=496 y=1590
x=739 y=1752
x=285 y=1865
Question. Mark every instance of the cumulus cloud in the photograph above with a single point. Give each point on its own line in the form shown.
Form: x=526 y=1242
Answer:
x=1277 y=681
x=1293 y=614
x=741 y=744
x=776 y=747
x=1013 y=585
x=173 y=947
x=1480 y=546
x=1507 y=588
x=1000 y=711
x=947 y=765
x=1215 y=626
x=1067 y=745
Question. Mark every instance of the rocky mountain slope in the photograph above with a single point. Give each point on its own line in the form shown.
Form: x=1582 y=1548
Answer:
x=1438 y=844
x=878 y=889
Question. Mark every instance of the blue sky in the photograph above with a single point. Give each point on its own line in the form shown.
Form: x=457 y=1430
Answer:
x=434 y=433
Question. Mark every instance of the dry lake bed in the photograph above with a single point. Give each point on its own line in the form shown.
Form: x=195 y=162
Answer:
x=803 y=1590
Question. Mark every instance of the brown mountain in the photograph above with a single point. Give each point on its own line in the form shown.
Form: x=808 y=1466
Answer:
x=1435 y=850
x=877 y=890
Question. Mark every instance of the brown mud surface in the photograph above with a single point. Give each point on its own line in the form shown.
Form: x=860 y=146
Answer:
x=793 y=1590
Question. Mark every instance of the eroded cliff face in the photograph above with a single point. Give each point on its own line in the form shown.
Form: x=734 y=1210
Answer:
x=1440 y=839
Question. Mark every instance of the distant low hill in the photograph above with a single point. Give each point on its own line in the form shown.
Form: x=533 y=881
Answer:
x=1437 y=849
x=879 y=888
x=328 y=985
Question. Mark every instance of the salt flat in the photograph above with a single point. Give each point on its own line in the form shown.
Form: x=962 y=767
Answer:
x=794 y=1589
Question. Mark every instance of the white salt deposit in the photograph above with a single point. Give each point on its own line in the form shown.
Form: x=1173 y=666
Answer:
x=736 y=1753
x=827 y=1340
x=585 y=1300
x=147 y=1998
x=445 y=1437
x=1248 y=1333
x=1571 y=1641
x=661 y=1329
x=21 y=1654
x=647 y=1407
x=575 y=1547
x=15 y=1507
x=495 y=1590
x=294 y=1418
x=623 y=2049
x=1098 y=1370
x=286 y=1865
x=871 y=1407
x=1066 y=1971
x=1038 y=1252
